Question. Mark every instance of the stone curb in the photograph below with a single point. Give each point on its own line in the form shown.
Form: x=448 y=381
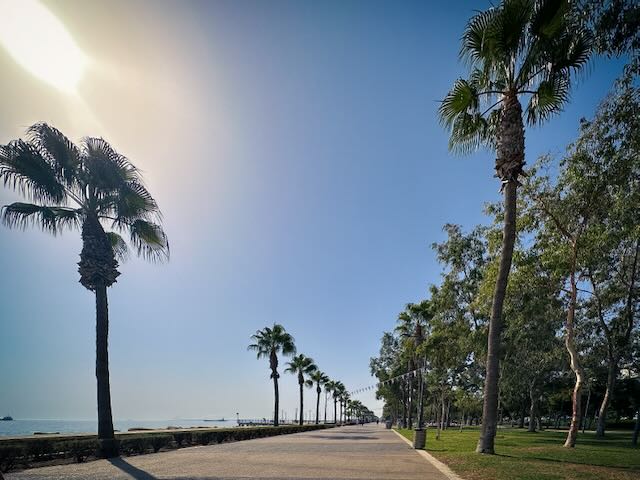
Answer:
x=444 y=469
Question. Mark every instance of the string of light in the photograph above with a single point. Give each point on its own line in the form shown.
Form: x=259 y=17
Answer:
x=392 y=380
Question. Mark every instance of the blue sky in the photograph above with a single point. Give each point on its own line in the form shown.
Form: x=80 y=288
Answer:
x=295 y=151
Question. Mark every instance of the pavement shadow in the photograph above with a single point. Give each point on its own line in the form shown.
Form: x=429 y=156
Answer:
x=344 y=437
x=130 y=469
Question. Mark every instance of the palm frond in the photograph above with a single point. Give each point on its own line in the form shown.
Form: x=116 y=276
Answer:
x=509 y=29
x=549 y=18
x=63 y=155
x=468 y=132
x=50 y=219
x=461 y=99
x=106 y=169
x=129 y=203
x=477 y=39
x=119 y=246
x=149 y=240
x=23 y=168
x=548 y=99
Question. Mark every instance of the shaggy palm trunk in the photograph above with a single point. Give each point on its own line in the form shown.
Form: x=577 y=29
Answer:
x=98 y=270
x=576 y=367
x=273 y=361
x=318 y=391
x=612 y=371
x=509 y=164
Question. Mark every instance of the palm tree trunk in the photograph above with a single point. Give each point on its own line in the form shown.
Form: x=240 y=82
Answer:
x=509 y=164
x=301 y=404
x=326 y=396
x=490 y=404
x=108 y=445
x=335 y=410
x=276 y=405
x=318 y=390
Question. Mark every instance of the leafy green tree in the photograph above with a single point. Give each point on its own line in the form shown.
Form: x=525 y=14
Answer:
x=269 y=342
x=319 y=378
x=98 y=191
x=303 y=367
x=518 y=49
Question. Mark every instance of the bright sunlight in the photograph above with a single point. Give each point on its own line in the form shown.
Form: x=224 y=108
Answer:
x=39 y=42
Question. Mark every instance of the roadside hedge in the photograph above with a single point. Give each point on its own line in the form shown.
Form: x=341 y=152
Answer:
x=28 y=452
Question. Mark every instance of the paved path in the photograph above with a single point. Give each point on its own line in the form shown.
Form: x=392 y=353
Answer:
x=354 y=452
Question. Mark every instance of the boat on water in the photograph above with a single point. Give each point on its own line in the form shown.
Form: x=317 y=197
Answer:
x=6 y=419
x=214 y=420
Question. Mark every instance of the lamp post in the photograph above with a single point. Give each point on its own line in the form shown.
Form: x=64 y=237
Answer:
x=238 y=418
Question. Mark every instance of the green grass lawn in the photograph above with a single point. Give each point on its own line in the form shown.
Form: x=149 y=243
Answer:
x=521 y=455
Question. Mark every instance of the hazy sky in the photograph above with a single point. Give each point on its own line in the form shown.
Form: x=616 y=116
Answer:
x=295 y=151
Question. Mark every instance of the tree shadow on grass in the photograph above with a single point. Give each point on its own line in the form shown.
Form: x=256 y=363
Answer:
x=130 y=469
x=568 y=462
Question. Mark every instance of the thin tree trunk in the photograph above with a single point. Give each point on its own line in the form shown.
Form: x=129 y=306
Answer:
x=301 y=404
x=576 y=367
x=106 y=437
x=612 y=372
x=533 y=410
x=490 y=404
x=276 y=400
x=318 y=390
x=325 y=407
x=335 y=410
x=636 y=430
x=585 y=417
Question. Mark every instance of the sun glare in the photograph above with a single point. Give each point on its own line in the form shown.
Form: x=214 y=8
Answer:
x=39 y=42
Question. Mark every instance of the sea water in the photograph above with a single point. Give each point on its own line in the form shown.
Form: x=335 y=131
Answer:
x=28 y=427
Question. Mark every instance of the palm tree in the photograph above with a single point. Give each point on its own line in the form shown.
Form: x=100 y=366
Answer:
x=319 y=378
x=519 y=50
x=302 y=366
x=89 y=187
x=329 y=387
x=268 y=343
x=338 y=390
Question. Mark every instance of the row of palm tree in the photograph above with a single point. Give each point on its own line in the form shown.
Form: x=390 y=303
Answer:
x=92 y=188
x=270 y=342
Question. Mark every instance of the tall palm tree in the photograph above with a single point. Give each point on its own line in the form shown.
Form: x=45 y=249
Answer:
x=338 y=390
x=319 y=378
x=302 y=366
x=268 y=343
x=519 y=50
x=92 y=188
x=329 y=387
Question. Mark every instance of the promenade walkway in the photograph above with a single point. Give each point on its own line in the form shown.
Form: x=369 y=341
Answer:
x=353 y=452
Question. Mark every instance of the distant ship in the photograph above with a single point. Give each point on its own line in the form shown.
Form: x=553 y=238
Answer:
x=6 y=419
x=218 y=420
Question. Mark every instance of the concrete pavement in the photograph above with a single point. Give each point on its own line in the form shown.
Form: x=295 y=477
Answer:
x=354 y=452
